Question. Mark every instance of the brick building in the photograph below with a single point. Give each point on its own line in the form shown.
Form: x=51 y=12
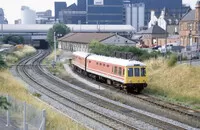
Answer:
x=188 y=27
x=154 y=36
x=80 y=41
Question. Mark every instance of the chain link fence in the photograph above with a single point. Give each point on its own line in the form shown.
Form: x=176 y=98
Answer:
x=23 y=116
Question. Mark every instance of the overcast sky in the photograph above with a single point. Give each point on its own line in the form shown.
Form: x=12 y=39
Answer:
x=12 y=7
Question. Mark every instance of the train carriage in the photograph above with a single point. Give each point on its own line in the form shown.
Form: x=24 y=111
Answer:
x=127 y=74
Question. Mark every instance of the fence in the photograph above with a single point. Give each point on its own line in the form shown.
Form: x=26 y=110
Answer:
x=23 y=116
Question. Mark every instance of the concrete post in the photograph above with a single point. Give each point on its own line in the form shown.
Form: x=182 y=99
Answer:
x=44 y=119
x=8 y=115
x=24 y=121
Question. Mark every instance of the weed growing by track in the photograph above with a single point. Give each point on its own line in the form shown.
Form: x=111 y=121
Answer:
x=18 y=53
x=58 y=69
x=180 y=83
x=55 y=120
x=9 y=85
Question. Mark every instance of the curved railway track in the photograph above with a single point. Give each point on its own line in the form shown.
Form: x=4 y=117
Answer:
x=108 y=120
x=30 y=70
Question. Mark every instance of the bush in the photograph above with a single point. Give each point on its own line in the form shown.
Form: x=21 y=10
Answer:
x=3 y=64
x=172 y=60
x=108 y=50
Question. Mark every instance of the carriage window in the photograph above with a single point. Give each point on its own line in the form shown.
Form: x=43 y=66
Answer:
x=137 y=72
x=115 y=70
x=130 y=72
x=123 y=72
x=143 y=72
x=120 y=71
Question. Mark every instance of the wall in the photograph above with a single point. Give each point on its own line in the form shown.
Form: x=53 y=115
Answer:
x=119 y=40
x=70 y=46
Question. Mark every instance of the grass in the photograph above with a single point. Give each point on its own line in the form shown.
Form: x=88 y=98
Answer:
x=19 y=53
x=55 y=120
x=9 y=85
x=180 y=83
x=58 y=70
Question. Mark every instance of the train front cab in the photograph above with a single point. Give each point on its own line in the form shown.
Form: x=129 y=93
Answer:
x=135 y=78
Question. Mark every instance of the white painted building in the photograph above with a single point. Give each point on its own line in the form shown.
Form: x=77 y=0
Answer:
x=153 y=20
x=161 y=21
x=28 y=16
x=135 y=15
x=166 y=22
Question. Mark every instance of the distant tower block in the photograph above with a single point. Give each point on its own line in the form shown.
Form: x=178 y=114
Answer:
x=28 y=16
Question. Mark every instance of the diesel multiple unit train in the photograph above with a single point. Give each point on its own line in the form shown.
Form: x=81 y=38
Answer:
x=126 y=74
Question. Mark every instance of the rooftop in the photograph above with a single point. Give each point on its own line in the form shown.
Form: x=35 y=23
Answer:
x=154 y=30
x=190 y=16
x=85 y=37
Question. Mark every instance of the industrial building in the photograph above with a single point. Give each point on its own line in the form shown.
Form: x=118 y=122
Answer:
x=175 y=8
x=72 y=15
x=135 y=15
x=45 y=17
x=2 y=17
x=104 y=11
x=58 y=7
x=131 y=12
x=28 y=16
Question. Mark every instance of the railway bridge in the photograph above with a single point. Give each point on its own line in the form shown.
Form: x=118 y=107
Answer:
x=36 y=34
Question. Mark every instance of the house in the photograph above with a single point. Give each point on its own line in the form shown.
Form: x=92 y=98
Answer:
x=154 y=36
x=80 y=41
x=165 y=21
x=173 y=40
x=188 y=27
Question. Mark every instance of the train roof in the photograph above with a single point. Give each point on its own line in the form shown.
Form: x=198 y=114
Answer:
x=111 y=60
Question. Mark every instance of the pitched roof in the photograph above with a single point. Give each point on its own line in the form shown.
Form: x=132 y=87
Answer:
x=155 y=30
x=85 y=37
x=189 y=16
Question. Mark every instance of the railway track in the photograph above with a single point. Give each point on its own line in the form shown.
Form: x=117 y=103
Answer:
x=186 y=111
x=95 y=115
x=30 y=70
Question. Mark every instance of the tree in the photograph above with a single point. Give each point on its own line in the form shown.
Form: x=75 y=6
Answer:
x=59 y=29
x=13 y=39
x=4 y=104
x=108 y=50
x=3 y=64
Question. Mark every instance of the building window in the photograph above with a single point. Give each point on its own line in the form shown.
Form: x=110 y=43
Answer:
x=97 y=63
x=100 y=63
x=107 y=65
x=103 y=64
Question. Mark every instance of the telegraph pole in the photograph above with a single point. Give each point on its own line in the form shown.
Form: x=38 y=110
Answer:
x=198 y=39
x=55 y=46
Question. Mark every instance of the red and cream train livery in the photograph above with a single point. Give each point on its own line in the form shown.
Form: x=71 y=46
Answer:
x=128 y=74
